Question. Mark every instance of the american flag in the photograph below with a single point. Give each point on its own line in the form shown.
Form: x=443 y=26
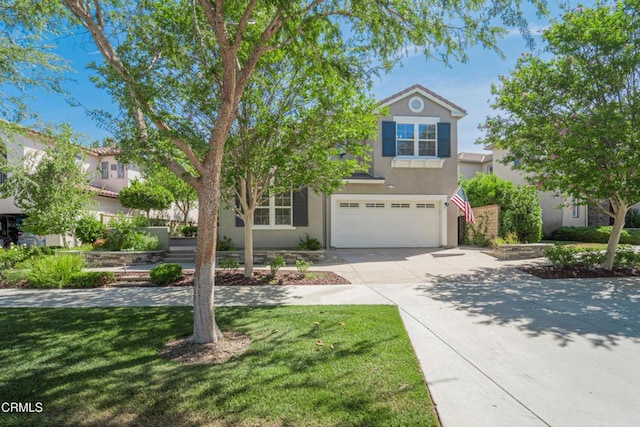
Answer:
x=460 y=200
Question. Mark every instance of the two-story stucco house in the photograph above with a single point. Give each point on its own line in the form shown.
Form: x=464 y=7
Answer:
x=471 y=164
x=109 y=177
x=400 y=202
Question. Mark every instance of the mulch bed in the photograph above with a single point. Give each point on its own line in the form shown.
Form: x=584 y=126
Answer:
x=259 y=278
x=551 y=272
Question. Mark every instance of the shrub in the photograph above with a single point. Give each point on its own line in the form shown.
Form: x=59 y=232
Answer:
x=92 y=279
x=276 y=264
x=509 y=239
x=594 y=235
x=626 y=257
x=230 y=264
x=165 y=274
x=15 y=254
x=55 y=271
x=90 y=229
x=524 y=216
x=591 y=258
x=189 y=230
x=475 y=234
x=141 y=241
x=225 y=244
x=14 y=277
x=562 y=256
x=308 y=244
x=303 y=266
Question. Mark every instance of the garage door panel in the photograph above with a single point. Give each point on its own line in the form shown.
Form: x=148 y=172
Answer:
x=388 y=223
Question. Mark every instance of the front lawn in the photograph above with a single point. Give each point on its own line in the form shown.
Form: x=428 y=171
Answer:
x=101 y=367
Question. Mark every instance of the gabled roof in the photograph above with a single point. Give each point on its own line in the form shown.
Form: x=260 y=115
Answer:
x=456 y=111
x=475 y=157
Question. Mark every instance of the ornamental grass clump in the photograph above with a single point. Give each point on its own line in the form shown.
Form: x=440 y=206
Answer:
x=55 y=270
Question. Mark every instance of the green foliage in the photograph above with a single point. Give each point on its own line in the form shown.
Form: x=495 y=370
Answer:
x=489 y=189
x=49 y=187
x=29 y=60
x=632 y=219
x=302 y=266
x=183 y=195
x=308 y=244
x=225 y=244
x=524 y=215
x=520 y=210
x=510 y=238
x=90 y=229
x=14 y=277
x=189 y=230
x=55 y=270
x=627 y=257
x=230 y=264
x=594 y=235
x=476 y=234
x=145 y=197
x=11 y=256
x=123 y=234
x=92 y=279
x=566 y=256
x=562 y=255
x=276 y=264
x=570 y=116
x=164 y=274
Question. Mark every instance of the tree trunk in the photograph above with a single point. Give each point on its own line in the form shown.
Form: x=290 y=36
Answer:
x=616 y=231
x=248 y=242
x=205 y=329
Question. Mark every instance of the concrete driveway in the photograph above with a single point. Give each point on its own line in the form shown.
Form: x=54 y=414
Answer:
x=498 y=347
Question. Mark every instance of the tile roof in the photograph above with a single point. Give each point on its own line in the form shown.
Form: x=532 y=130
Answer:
x=475 y=157
x=102 y=192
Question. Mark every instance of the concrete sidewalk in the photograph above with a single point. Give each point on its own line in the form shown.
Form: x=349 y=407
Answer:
x=495 y=352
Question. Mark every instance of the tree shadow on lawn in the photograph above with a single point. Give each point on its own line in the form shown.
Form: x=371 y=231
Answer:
x=104 y=369
x=602 y=310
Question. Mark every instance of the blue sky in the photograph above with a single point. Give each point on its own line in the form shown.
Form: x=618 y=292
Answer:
x=465 y=84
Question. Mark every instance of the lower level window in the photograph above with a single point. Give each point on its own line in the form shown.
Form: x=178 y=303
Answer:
x=275 y=210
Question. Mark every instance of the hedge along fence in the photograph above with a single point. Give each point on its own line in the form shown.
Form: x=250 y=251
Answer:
x=487 y=225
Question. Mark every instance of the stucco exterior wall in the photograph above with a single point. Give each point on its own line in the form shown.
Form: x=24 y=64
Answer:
x=276 y=237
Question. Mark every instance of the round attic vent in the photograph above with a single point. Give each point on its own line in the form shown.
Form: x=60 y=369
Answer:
x=416 y=104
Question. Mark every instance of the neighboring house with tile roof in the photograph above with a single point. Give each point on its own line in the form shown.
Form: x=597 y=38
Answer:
x=400 y=202
x=109 y=177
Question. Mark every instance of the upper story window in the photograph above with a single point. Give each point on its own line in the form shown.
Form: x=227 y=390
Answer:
x=416 y=140
x=120 y=170
x=104 y=167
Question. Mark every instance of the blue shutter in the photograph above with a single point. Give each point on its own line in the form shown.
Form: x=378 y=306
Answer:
x=301 y=208
x=444 y=139
x=389 y=139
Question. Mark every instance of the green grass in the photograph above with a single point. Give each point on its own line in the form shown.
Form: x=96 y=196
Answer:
x=101 y=367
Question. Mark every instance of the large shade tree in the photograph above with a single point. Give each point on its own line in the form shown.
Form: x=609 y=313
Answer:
x=179 y=70
x=297 y=130
x=572 y=121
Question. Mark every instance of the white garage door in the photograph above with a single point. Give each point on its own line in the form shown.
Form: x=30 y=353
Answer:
x=385 y=223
